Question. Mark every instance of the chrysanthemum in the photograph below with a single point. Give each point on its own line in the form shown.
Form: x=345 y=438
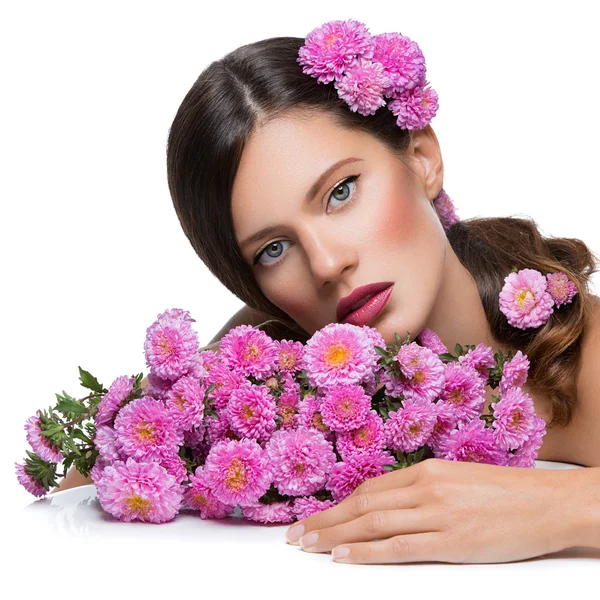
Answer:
x=338 y=353
x=249 y=351
x=289 y=355
x=431 y=340
x=410 y=359
x=402 y=60
x=117 y=395
x=410 y=427
x=204 y=362
x=146 y=430
x=139 y=490
x=361 y=86
x=514 y=372
x=218 y=428
x=524 y=299
x=175 y=465
x=39 y=443
x=513 y=419
x=171 y=345
x=464 y=390
x=446 y=421
x=415 y=108
x=198 y=496
x=251 y=411
x=561 y=288
x=330 y=48
x=287 y=408
x=193 y=437
x=369 y=438
x=98 y=469
x=309 y=415
x=348 y=474
x=526 y=455
x=185 y=401
x=157 y=387
x=374 y=336
x=345 y=407
x=305 y=506
x=481 y=359
x=237 y=471
x=274 y=512
x=300 y=460
x=225 y=381
x=446 y=210
x=472 y=442
x=105 y=441
x=28 y=482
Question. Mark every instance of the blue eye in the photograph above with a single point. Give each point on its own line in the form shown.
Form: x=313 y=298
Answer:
x=341 y=194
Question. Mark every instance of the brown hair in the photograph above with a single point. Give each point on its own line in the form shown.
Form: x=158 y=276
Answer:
x=257 y=82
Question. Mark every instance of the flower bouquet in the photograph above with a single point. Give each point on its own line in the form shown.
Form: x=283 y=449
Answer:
x=279 y=429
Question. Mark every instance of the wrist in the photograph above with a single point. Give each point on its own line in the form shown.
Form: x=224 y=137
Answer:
x=582 y=505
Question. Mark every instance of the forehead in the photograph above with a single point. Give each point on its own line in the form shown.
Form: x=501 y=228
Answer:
x=281 y=160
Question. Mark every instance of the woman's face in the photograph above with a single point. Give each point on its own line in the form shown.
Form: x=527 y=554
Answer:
x=379 y=225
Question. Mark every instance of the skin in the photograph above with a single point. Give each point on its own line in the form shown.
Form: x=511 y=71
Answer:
x=436 y=510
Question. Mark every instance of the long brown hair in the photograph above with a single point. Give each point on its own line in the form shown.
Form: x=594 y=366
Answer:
x=257 y=82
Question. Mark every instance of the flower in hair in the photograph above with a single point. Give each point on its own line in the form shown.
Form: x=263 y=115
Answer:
x=361 y=86
x=561 y=288
x=415 y=108
x=445 y=209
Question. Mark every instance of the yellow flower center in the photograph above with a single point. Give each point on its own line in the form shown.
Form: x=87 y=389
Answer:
x=523 y=296
x=337 y=355
x=250 y=352
x=419 y=376
x=286 y=359
x=180 y=401
x=248 y=413
x=145 y=431
x=200 y=499
x=415 y=428
x=299 y=468
x=236 y=475
x=139 y=504
x=456 y=397
x=516 y=418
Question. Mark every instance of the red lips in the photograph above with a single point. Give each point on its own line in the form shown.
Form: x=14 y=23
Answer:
x=345 y=304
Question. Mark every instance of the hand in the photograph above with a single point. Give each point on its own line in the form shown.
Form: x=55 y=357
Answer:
x=448 y=511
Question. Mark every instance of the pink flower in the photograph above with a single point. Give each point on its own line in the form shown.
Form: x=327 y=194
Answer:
x=300 y=460
x=446 y=211
x=431 y=340
x=561 y=288
x=175 y=465
x=157 y=387
x=171 y=345
x=146 y=430
x=198 y=496
x=218 y=428
x=118 y=393
x=525 y=456
x=369 y=438
x=338 y=353
x=513 y=419
x=185 y=401
x=225 y=381
x=524 y=299
x=105 y=441
x=309 y=415
x=249 y=351
x=28 y=482
x=409 y=428
x=410 y=359
x=345 y=407
x=348 y=474
x=39 y=443
x=329 y=49
x=237 y=471
x=139 y=490
x=275 y=512
x=287 y=408
x=204 y=362
x=194 y=437
x=446 y=421
x=289 y=356
x=362 y=86
x=251 y=411
x=464 y=390
x=514 y=372
x=305 y=506
x=415 y=108
x=481 y=359
x=402 y=60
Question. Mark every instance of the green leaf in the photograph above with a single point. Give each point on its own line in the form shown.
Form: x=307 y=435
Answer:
x=89 y=381
x=68 y=405
x=77 y=433
x=458 y=349
x=381 y=351
x=398 y=340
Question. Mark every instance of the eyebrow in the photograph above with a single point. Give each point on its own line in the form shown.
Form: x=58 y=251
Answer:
x=312 y=192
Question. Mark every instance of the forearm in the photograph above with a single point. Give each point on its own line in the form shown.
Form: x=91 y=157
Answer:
x=583 y=507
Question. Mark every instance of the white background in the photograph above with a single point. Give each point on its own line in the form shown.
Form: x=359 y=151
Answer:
x=91 y=248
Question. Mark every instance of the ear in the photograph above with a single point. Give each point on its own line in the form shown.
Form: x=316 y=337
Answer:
x=426 y=158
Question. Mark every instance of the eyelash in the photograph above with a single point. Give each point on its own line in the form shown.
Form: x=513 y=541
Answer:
x=346 y=202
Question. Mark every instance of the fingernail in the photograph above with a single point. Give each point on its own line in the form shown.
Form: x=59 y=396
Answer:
x=294 y=532
x=309 y=540
x=340 y=552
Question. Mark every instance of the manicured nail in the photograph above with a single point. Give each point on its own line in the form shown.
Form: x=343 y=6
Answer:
x=309 y=540
x=340 y=552
x=294 y=532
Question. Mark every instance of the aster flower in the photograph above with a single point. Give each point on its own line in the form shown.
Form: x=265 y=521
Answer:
x=375 y=337
x=39 y=443
x=274 y=512
x=514 y=372
x=28 y=482
x=289 y=355
x=446 y=421
x=514 y=418
x=237 y=471
x=204 y=362
x=139 y=490
x=249 y=351
x=157 y=387
x=171 y=345
x=300 y=460
x=361 y=86
x=410 y=359
x=338 y=353
x=105 y=441
x=305 y=506
x=345 y=407
x=329 y=49
x=251 y=411
x=410 y=427
x=287 y=408
x=198 y=496
x=225 y=381
x=431 y=340
x=369 y=438
x=185 y=401
x=193 y=437
x=415 y=108
x=464 y=390
x=524 y=299
x=175 y=465
x=309 y=415
x=348 y=474
x=561 y=288
x=402 y=61
x=98 y=469
x=481 y=359
x=146 y=430
x=446 y=211
x=525 y=455
x=118 y=393
x=219 y=428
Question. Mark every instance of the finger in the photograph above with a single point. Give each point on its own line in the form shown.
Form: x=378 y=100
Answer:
x=354 y=507
x=416 y=547
x=376 y=525
x=393 y=479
